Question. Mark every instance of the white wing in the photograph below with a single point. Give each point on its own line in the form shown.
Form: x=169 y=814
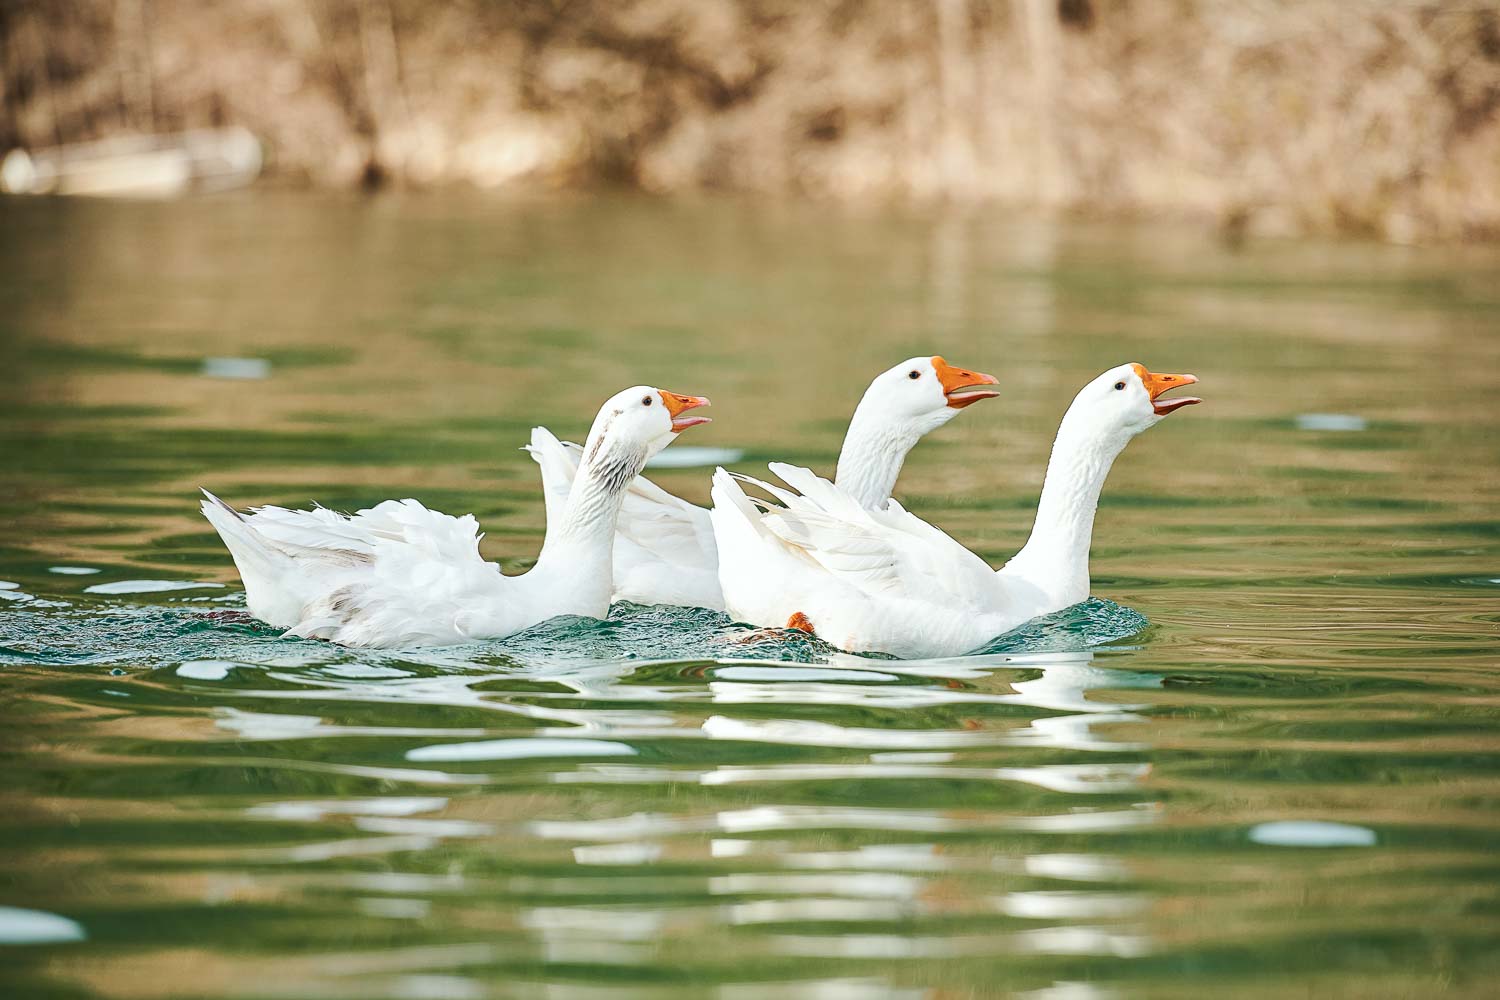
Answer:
x=396 y=574
x=559 y=464
x=664 y=550
x=763 y=578
x=887 y=552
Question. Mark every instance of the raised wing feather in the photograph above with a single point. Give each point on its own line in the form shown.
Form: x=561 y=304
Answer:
x=319 y=528
x=885 y=552
x=394 y=574
x=559 y=464
x=668 y=527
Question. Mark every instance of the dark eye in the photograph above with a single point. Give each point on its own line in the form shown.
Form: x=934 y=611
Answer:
x=1119 y=385
x=646 y=400
x=913 y=374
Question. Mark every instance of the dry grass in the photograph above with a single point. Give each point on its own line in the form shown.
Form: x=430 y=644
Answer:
x=1267 y=115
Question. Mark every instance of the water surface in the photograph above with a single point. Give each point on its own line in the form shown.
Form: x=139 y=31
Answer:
x=1287 y=783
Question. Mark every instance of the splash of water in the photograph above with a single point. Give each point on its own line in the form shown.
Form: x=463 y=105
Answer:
x=116 y=632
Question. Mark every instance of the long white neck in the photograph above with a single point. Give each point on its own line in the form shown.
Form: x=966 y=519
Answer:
x=1056 y=556
x=577 y=560
x=874 y=450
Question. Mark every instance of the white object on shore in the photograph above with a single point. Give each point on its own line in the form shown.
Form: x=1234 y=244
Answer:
x=137 y=166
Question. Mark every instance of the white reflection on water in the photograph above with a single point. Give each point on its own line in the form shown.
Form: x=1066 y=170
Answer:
x=1081 y=820
x=1079 y=778
x=763 y=871
x=518 y=749
x=1073 y=940
x=617 y=854
x=760 y=819
x=1070 y=732
x=1063 y=683
x=892 y=857
x=1069 y=991
x=866 y=885
x=149 y=586
x=312 y=810
x=1077 y=867
x=439 y=828
x=1070 y=904
x=786 y=673
x=1070 y=940
x=206 y=670
x=597 y=924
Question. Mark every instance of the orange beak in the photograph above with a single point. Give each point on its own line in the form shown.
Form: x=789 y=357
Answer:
x=677 y=405
x=961 y=386
x=1156 y=384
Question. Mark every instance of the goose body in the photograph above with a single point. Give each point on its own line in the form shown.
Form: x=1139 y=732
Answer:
x=399 y=574
x=885 y=580
x=665 y=550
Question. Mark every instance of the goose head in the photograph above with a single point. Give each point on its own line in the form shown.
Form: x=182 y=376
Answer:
x=1127 y=400
x=925 y=393
x=634 y=425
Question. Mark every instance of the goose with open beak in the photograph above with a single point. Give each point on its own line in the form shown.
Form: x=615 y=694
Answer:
x=886 y=581
x=664 y=547
x=678 y=405
x=400 y=575
x=1157 y=384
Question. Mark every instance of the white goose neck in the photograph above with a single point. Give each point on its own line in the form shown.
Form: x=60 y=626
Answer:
x=579 y=548
x=1056 y=556
x=875 y=448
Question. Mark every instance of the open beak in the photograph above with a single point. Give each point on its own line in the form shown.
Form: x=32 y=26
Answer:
x=962 y=386
x=678 y=405
x=1157 y=384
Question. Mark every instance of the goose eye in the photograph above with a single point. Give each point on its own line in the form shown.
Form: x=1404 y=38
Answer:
x=1119 y=385
x=914 y=374
x=645 y=400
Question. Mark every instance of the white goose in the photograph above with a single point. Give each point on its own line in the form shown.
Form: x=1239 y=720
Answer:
x=885 y=580
x=664 y=546
x=400 y=575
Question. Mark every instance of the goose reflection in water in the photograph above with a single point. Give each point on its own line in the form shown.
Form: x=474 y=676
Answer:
x=944 y=809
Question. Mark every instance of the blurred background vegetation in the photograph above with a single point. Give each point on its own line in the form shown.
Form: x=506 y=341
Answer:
x=1267 y=116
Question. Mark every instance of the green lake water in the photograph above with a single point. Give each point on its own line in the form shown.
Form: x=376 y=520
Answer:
x=1265 y=761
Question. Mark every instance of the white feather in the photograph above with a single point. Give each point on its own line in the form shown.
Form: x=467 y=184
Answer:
x=664 y=549
x=396 y=574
